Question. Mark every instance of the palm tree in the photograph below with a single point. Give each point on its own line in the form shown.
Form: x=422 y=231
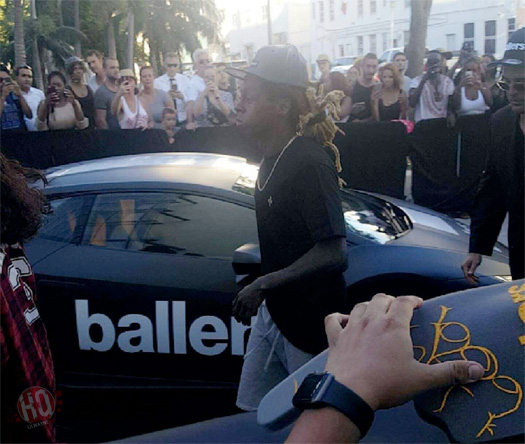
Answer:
x=420 y=10
x=20 y=48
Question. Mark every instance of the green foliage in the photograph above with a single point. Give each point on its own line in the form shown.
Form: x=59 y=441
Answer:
x=166 y=25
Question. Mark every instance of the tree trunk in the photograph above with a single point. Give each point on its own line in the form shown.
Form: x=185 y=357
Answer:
x=420 y=10
x=78 y=45
x=37 y=67
x=153 y=47
x=131 y=40
x=20 y=49
x=60 y=15
x=112 y=44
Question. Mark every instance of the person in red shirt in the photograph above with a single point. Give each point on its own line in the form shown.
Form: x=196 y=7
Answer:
x=27 y=378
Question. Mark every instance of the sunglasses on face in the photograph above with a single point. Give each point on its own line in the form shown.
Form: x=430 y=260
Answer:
x=505 y=84
x=204 y=61
x=5 y=79
x=172 y=65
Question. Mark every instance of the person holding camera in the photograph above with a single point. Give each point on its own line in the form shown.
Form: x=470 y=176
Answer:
x=60 y=110
x=472 y=96
x=126 y=105
x=13 y=106
x=430 y=92
x=213 y=107
x=175 y=84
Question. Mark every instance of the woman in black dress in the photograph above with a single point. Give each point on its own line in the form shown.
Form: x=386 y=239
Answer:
x=76 y=70
x=389 y=101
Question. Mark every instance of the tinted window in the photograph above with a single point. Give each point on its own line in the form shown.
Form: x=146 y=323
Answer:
x=170 y=223
x=373 y=218
x=67 y=219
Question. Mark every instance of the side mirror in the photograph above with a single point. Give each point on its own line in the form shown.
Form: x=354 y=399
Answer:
x=247 y=261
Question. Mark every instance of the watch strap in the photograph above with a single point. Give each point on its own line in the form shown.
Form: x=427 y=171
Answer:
x=348 y=403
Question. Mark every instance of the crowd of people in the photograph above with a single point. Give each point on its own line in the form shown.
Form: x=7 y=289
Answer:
x=96 y=93
x=385 y=93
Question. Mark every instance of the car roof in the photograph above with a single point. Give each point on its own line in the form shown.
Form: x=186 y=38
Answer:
x=202 y=169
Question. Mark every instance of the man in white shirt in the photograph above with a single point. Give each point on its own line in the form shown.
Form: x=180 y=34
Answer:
x=430 y=92
x=33 y=96
x=201 y=61
x=95 y=61
x=400 y=61
x=175 y=84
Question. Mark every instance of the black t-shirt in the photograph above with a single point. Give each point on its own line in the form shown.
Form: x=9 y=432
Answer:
x=299 y=207
x=362 y=93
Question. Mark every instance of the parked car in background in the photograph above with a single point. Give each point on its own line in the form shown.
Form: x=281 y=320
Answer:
x=138 y=264
x=389 y=54
x=343 y=64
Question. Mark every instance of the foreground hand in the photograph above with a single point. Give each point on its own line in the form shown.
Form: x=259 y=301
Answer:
x=191 y=126
x=469 y=267
x=371 y=353
x=247 y=302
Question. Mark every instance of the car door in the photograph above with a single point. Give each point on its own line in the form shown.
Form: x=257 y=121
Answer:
x=145 y=293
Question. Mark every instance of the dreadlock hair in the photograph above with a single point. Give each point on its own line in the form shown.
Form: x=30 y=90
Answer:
x=312 y=113
x=22 y=206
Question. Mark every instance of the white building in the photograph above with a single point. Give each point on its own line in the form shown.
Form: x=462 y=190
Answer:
x=245 y=26
x=356 y=27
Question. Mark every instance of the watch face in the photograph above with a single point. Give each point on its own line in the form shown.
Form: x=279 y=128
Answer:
x=309 y=389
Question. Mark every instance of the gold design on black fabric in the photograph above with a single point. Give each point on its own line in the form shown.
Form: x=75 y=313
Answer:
x=491 y=367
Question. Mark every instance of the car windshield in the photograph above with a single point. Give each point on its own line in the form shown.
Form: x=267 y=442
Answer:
x=343 y=61
x=373 y=218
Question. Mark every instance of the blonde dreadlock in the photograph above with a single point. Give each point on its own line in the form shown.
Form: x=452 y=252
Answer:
x=319 y=124
x=312 y=114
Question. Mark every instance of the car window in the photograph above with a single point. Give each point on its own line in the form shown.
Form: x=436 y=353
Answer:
x=66 y=220
x=373 y=218
x=170 y=223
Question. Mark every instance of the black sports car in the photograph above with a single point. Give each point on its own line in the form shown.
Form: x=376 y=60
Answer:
x=135 y=277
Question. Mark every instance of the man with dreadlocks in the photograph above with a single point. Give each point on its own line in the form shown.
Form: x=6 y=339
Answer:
x=302 y=233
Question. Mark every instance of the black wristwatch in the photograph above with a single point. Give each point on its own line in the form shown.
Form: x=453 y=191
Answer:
x=322 y=390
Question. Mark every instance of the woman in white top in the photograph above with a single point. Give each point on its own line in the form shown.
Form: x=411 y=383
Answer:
x=126 y=104
x=60 y=109
x=472 y=96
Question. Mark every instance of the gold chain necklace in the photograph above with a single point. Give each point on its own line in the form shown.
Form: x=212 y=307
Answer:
x=274 y=165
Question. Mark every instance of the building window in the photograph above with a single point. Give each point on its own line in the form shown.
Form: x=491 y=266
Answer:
x=490 y=36
x=248 y=16
x=406 y=37
x=341 y=50
x=360 y=45
x=373 y=43
x=468 y=33
x=332 y=14
x=360 y=8
x=265 y=12
x=512 y=26
x=373 y=6
x=384 y=2
x=321 y=11
x=407 y=3
x=395 y=44
x=313 y=10
x=385 y=41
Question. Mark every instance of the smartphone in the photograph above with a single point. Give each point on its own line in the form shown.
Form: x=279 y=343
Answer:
x=174 y=87
x=51 y=90
x=469 y=74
